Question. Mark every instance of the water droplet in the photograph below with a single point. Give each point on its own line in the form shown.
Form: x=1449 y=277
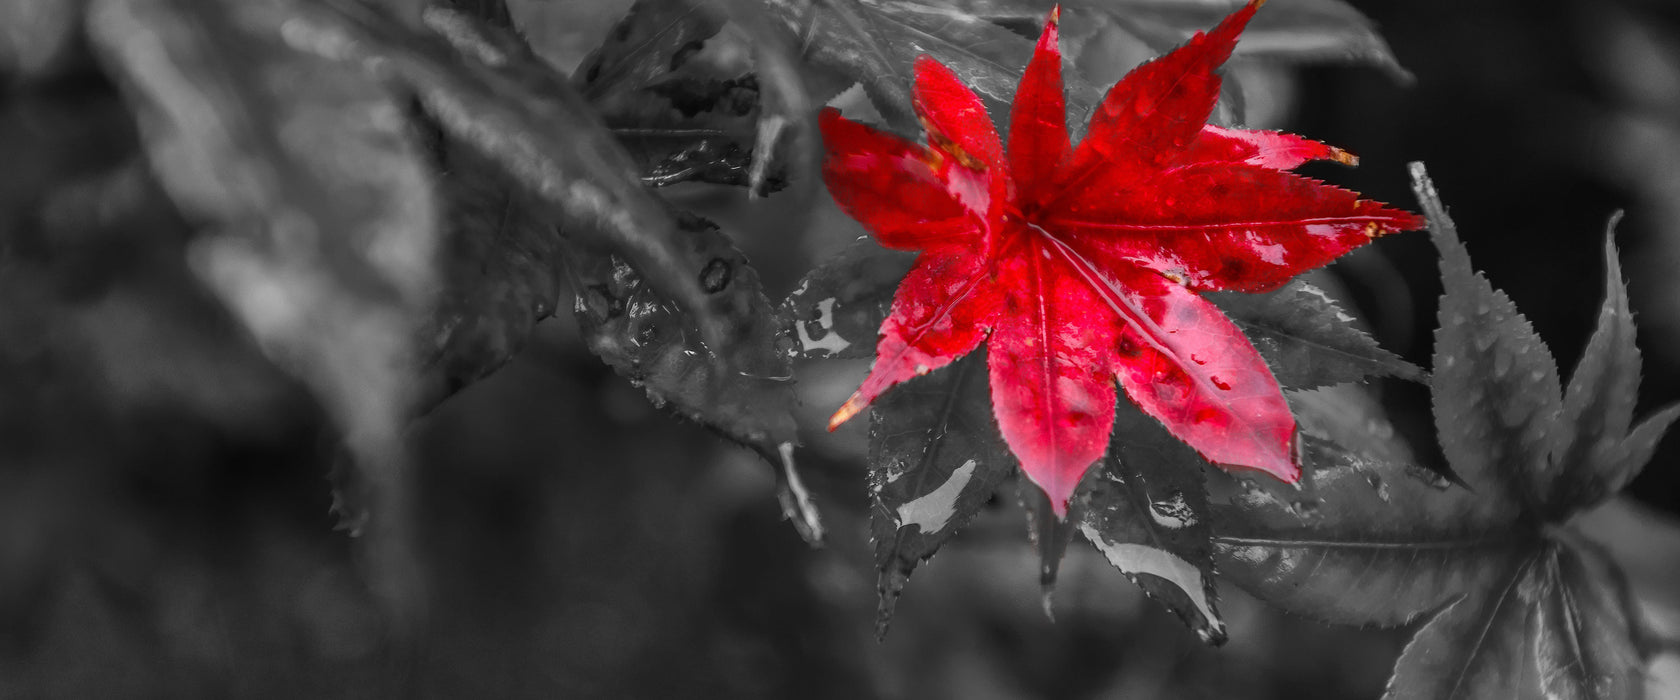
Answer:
x=1377 y=483
x=599 y=303
x=716 y=276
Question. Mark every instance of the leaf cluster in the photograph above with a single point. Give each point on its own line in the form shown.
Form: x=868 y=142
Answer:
x=373 y=204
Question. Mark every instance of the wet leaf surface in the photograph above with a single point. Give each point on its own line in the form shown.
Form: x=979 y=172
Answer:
x=658 y=347
x=1078 y=265
x=837 y=310
x=935 y=460
x=654 y=344
x=1146 y=510
x=519 y=113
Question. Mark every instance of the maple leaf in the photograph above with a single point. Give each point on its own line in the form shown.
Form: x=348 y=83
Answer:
x=1080 y=266
x=1519 y=603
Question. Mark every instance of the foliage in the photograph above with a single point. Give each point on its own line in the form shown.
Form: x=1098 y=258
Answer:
x=365 y=207
x=1077 y=265
x=1518 y=601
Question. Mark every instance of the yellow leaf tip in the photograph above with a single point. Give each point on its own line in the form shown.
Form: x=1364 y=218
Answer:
x=851 y=408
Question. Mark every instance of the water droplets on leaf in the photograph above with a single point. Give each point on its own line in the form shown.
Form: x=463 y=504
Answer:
x=1172 y=512
x=932 y=511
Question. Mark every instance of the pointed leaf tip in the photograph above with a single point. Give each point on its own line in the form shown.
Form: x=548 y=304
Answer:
x=796 y=502
x=1050 y=529
x=1495 y=388
x=1599 y=402
x=851 y=408
x=889 y=584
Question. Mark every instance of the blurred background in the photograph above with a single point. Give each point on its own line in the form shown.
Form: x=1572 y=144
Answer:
x=165 y=524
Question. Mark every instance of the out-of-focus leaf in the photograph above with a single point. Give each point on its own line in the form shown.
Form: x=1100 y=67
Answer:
x=693 y=129
x=935 y=459
x=500 y=260
x=679 y=121
x=1308 y=340
x=1146 y=510
x=837 y=309
x=1495 y=385
x=37 y=38
x=501 y=274
x=787 y=112
x=512 y=107
x=673 y=156
x=61 y=139
x=877 y=41
x=1365 y=539
x=322 y=216
x=654 y=40
x=1312 y=31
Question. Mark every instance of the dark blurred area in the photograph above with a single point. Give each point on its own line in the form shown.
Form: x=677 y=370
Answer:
x=166 y=524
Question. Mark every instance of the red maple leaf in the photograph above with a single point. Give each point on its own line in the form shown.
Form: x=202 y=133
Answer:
x=1080 y=265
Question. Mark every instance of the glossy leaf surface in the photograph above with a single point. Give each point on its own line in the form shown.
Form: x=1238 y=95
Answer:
x=935 y=460
x=651 y=341
x=1081 y=276
x=730 y=377
x=838 y=308
x=1146 y=510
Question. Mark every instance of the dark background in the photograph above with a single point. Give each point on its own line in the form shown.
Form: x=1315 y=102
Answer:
x=579 y=543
